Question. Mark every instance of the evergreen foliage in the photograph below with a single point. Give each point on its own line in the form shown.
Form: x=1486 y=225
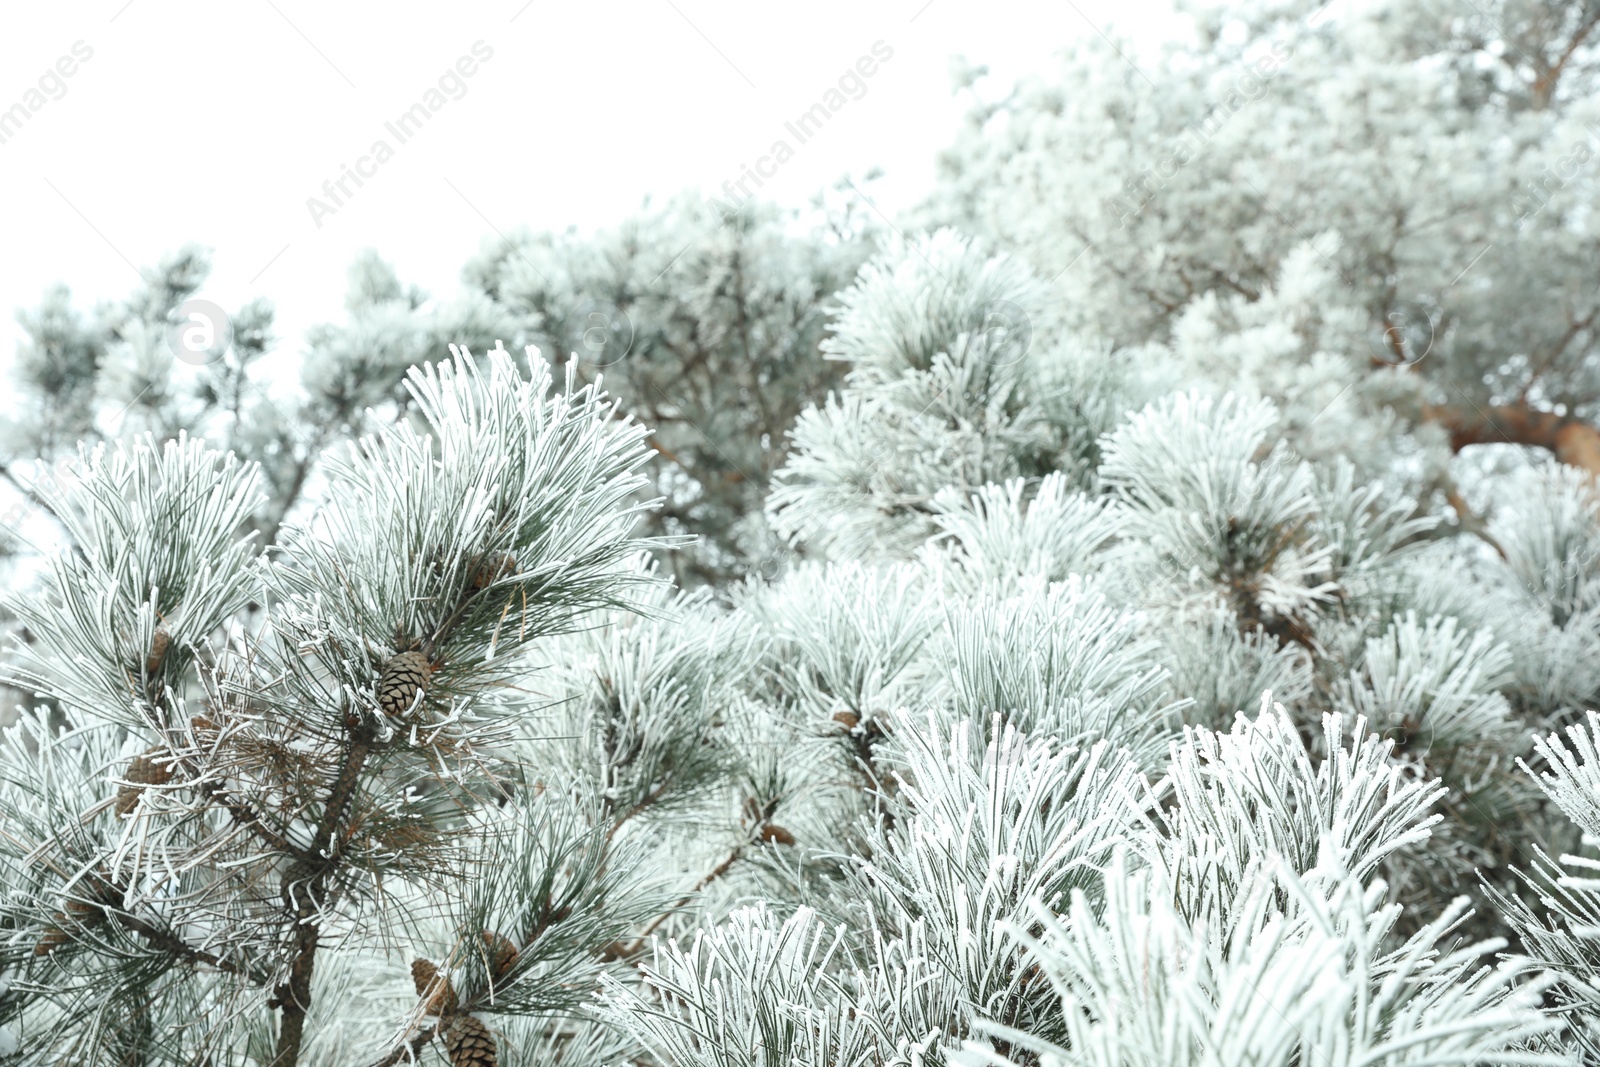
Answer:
x=1157 y=674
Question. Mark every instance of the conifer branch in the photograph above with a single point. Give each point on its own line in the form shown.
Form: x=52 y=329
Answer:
x=304 y=886
x=617 y=951
x=408 y=1052
x=176 y=946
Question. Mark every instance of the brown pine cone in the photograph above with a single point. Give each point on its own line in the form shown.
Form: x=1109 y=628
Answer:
x=158 y=650
x=403 y=675
x=435 y=987
x=500 y=953
x=490 y=567
x=76 y=914
x=54 y=937
x=776 y=834
x=847 y=719
x=468 y=1043
x=147 y=768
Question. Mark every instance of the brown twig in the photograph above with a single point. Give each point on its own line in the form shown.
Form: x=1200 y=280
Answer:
x=408 y=1051
x=242 y=813
x=616 y=951
x=172 y=944
x=1469 y=520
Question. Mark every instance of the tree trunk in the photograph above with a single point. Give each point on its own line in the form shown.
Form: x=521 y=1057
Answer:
x=305 y=886
x=1573 y=441
x=294 y=996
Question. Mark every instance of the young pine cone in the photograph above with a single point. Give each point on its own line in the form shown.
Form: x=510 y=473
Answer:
x=468 y=1043
x=435 y=987
x=76 y=913
x=775 y=834
x=53 y=937
x=403 y=676
x=847 y=719
x=490 y=567
x=147 y=768
x=500 y=953
x=158 y=650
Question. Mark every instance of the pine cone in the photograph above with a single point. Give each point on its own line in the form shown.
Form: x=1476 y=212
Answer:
x=490 y=567
x=54 y=937
x=158 y=650
x=403 y=675
x=468 y=1043
x=847 y=719
x=500 y=952
x=146 y=769
x=76 y=913
x=435 y=987
x=776 y=834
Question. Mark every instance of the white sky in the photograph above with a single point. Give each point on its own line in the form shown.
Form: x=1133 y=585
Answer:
x=215 y=122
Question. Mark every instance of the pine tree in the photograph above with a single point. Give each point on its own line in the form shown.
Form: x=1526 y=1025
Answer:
x=1262 y=192
x=1169 y=673
x=237 y=806
x=710 y=322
